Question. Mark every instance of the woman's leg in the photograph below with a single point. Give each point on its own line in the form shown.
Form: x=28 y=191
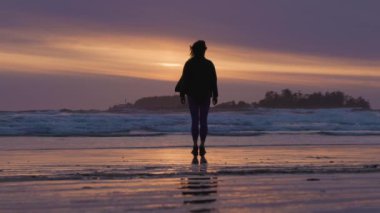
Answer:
x=194 y=111
x=204 y=108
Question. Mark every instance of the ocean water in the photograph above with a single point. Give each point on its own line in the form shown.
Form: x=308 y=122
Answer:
x=313 y=154
x=246 y=123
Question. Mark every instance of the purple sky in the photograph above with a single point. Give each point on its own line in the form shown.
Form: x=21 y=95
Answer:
x=347 y=29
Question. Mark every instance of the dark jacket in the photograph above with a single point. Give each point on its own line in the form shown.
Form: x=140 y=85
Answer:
x=198 y=79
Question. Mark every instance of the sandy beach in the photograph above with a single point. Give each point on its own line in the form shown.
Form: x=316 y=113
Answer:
x=273 y=173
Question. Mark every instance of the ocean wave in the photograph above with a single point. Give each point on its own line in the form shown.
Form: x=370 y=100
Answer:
x=334 y=122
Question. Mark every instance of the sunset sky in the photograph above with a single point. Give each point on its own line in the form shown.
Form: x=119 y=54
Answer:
x=95 y=53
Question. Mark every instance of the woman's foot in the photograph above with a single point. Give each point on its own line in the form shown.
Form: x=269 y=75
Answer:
x=195 y=160
x=195 y=150
x=203 y=160
x=202 y=150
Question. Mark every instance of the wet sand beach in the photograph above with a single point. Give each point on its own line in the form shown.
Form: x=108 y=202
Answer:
x=273 y=173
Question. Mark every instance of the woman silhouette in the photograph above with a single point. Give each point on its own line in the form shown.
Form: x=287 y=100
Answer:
x=199 y=83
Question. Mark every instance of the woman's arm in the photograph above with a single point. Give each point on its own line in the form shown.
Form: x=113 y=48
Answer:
x=184 y=82
x=214 y=85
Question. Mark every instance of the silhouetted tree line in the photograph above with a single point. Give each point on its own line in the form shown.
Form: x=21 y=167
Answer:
x=285 y=99
x=169 y=103
x=289 y=99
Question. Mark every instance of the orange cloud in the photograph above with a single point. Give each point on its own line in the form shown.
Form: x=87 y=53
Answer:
x=162 y=58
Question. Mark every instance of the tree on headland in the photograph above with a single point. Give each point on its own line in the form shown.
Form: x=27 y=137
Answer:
x=285 y=99
x=289 y=99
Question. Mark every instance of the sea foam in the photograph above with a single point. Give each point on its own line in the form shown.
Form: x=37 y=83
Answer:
x=245 y=123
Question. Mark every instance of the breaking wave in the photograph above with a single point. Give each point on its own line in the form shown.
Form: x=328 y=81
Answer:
x=255 y=122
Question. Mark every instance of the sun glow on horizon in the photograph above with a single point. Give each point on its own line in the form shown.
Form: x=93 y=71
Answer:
x=170 y=64
x=162 y=59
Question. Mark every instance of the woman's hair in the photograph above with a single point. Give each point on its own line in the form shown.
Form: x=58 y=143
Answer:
x=198 y=49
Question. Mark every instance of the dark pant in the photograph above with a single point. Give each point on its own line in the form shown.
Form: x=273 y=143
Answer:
x=199 y=111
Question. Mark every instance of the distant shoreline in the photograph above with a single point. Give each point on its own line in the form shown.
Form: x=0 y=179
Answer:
x=272 y=100
x=171 y=111
x=286 y=99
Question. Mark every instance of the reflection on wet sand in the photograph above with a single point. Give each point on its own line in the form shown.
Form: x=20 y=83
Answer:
x=199 y=189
